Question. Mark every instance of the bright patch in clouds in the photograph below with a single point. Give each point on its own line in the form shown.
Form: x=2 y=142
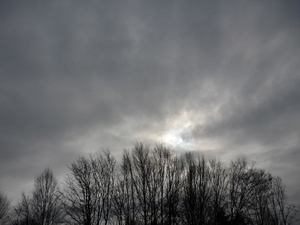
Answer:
x=173 y=137
x=178 y=131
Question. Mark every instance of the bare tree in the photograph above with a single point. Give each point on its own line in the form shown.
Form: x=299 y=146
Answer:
x=89 y=189
x=280 y=212
x=239 y=191
x=4 y=208
x=46 y=200
x=149 y=184
x=120 y=201
x=255 y=197
x=79 y=196
x=219 y=184
x=173 y=188
x=141 y=175
x=103 y=170
x=44 y=206
x=197 y=191
x=125 y=195
x=23 y=212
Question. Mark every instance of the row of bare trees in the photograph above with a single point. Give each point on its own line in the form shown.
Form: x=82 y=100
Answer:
x=154 y=186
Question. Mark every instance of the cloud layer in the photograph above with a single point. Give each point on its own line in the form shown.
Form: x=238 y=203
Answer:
x=218 y=77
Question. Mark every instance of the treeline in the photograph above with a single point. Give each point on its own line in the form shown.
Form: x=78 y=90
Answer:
x=153 y=186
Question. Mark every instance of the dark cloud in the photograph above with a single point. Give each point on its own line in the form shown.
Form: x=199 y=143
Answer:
x=76 y=77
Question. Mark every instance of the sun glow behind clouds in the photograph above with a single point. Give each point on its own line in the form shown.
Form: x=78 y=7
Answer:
x=179 y=130
x=173 y=137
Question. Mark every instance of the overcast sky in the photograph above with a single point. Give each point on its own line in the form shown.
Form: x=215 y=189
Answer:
x=218 y=77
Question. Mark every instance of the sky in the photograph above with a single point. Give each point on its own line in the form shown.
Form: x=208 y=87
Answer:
x=221 y=78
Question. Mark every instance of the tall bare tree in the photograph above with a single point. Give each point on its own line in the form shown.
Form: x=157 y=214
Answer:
x=46 y=202
x=4 y=208
x=141 y=175
x=197 y=191
x=44 y=206
x=280 y=212
x=219 y=184
x=240 y=188
x=79 y=195
x=89 y=189
x=173 y=188
x=23 y=212
x=103 y=171
x=125 y=196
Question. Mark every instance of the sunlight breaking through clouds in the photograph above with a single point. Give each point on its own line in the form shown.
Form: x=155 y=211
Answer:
x=179 y=131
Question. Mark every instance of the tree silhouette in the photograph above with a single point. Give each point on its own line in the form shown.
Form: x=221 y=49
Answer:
x=154 y=186
x=44 y=206
x=4 y=208
x=89 y=189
